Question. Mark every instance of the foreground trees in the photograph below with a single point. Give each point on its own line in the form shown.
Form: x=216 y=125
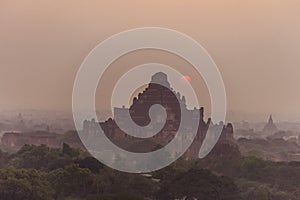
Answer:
x=24 y=184
x=42 y=173
x=199 y=184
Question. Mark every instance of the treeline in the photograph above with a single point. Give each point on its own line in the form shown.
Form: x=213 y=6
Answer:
x=42 y=173
x=256 y=178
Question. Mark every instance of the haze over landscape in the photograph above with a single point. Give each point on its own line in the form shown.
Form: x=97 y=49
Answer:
x=255 y=45
x=149 y=138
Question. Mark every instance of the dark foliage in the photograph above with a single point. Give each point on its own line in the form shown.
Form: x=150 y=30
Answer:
x=41 y=173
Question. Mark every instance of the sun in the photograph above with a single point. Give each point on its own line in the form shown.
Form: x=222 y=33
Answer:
x=186 y=78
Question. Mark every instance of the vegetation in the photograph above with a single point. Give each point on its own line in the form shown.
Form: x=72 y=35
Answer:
x=42 y=173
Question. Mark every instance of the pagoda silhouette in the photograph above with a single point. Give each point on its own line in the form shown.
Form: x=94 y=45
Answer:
x=270 y=127
x=159 y=91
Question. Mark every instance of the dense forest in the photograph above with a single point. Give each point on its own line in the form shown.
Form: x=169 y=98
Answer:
x=43 y=173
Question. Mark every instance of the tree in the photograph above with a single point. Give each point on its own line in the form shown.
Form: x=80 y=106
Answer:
x=39 y=157
x=3 y=158
x=24 y=184
x=67 y=150
x=91 y=163
x=71 y=180
x=200 y=184
x=114 y=197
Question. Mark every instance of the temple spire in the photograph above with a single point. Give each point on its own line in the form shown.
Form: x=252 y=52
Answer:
x=270 y=127
x=270 y=119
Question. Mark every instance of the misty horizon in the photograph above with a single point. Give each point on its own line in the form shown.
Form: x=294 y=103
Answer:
x=256 y=54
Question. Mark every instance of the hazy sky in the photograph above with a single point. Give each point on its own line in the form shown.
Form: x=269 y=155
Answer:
x=256 y=45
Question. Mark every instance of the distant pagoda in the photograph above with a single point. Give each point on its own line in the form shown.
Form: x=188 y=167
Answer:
x=270 y=127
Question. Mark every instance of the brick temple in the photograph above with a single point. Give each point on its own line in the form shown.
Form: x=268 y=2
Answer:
x=159 y=92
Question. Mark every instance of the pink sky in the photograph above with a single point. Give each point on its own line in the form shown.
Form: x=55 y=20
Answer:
x=255 y=44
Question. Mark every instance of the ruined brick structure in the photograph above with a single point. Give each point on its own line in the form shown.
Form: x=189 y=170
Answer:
x=159 y=92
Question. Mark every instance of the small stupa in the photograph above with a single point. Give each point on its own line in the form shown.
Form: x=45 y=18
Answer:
x=270 y=127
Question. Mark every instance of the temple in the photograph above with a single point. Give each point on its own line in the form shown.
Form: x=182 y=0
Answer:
x=270 y=127
x=159 y=92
